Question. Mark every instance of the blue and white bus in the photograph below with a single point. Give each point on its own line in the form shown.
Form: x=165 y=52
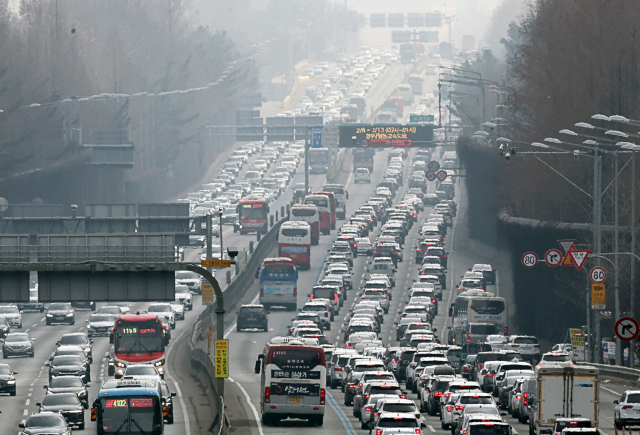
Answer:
x=279 y=283
x=129 y=407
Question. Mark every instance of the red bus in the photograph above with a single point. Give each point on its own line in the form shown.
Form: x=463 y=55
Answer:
x=309 y=214
x=334 y=205
x=363 y=158
x=294 y=242
x=253 y=215
x=324 y=209
x=138 y=339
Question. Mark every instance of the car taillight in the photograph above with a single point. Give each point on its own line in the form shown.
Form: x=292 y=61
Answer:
x=417 y=415
x=360 y=384
x=94 y=414
x=446 y=396
x=295 y=291
x=337 y=369
x=437 y=394
x=459 y=408
x=518 y=397
x=367 y=409
x=466 y=369
x=433 y=300
x=366 y=396
x=394 y=253
x=376 y=253
x=444 y=256
x=468 y=338
x=378 y=432
x=267 y=394
x=261 y=292
x=525 y=402
x=384 y=297
x=479 y=366
x=393 y=361
x=490 y=375
x=449 y=408
x=311 y=297
x=627 y=407
x=419 y=250
x=322 y=396
x=165 y=411
x=402 y=396
x=263 y=315
x=352 y=386
x=506 y=330
x=355 y=245
x=335 y=298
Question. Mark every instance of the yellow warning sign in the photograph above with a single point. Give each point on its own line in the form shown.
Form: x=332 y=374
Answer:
x=221 y=358
x=568 y=259
x=598 y=296
x=215 y=263
x=207 y=293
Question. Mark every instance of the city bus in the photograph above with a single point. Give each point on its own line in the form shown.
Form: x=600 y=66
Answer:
x=294 y=242
x=477 y=306
x=318 y=160
x=129 y=406
x=363 y=158
x=278 y=283
x=138 y=339
x=308 y=213
x=324 y=209
x=341 y=195
x=332 y=204
x=293 y=376
x=253 y=215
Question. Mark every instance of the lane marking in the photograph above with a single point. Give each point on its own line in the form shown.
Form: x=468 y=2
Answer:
x=25 y=412
x=433 y=430
x=27 y=402
x=183 y=405
x=253 y=408
x=348 y=426
x=610 y=390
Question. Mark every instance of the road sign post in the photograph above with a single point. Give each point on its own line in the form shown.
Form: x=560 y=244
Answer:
x=221 y=358
x=579 y=258
x=215 y=263
x=529 y=260
x=626 y=328
x=433 y=166
x=441 y=175
x=431 y=176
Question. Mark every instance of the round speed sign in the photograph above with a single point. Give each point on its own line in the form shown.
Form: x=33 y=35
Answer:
x=529 y=260
x=598 y=275
x=431 y=175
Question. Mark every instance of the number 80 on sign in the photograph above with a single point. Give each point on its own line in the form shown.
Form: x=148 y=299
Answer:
x=529 y=260
x=598 y=274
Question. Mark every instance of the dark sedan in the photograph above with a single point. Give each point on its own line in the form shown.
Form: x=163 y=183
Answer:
x=7 y=380
x=66 y=404
x=50 y=423
x=167 y=402
x=69 y=365
x=60 y=312
x=69 y=384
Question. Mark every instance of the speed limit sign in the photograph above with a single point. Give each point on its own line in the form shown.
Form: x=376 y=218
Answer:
x=598 y=275
x=529 y=260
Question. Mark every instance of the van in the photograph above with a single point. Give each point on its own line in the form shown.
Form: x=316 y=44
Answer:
x=329 y=292
x=384 y=266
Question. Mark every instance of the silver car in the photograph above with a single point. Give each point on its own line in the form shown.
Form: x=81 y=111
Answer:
x=12 y=314
x=18 y=344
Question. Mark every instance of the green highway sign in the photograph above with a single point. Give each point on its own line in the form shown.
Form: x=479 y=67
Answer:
x=385 y=136
x=421 y=118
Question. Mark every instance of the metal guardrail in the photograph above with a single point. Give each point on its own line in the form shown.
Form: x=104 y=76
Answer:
x=626 y=373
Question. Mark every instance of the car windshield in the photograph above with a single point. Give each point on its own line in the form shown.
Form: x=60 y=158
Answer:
x=66 y=360
x=159 y=308
x=251 y=310
x=397 y=422
x=557 y=357
x=9 y=310
x=489 y=429
x=141 y=371
x=66 y=382
x=100 y=318
x=60 y=399
x=74 y=339
x=399 y=407
x=483 y=329
x=70 y=352
x=45 y=421
x=525 y=340
x=5 y=370
x=110 y=310
x=326 y=293
x=59 y=307
x=16 y=337
x=465 y=400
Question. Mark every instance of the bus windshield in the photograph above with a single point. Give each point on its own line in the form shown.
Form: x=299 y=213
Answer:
x=294 y=232
x=253 y=211
x=139 y=336
x=295 y=359
x=319 y=202
x=487 y=307
x=303 y=212
x=130 y=415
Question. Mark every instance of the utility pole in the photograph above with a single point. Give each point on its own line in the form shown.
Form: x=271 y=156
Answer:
x=306 y=160
x=617 y=278
x=439 y=105
x=632 y=345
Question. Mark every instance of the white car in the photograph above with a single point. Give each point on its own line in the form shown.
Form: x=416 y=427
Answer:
x=12 y=314
x=163 y=310
x=627 y=409
x=183 y=296
x=144 y=371
x=178 y=309
x=362 y=176
x=364 y=246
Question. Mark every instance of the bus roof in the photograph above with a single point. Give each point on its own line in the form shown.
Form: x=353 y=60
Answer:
x=277 y=260
x=318 y=149
x=253 y=199
x=129 y=387
x=295 y=224
x=137 y=317
x=304 y=206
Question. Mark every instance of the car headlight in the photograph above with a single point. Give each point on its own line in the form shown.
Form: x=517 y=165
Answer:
x=49 y=315
x=70 y=314
x=159 y=363
x=120 y=364
x=11 y=382
x=82 y=393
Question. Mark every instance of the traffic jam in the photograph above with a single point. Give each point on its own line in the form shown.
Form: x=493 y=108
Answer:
x=448 y=363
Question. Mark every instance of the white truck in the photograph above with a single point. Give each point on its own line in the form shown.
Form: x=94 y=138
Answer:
x=564 y=391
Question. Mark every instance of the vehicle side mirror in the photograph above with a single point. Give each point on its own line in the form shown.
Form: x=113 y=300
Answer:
x=38 y=404
x=173 y=394
x=21 y=425
x=616 y=402
x=87 y=320
x=435 y=329
x=450 y=311
x=257 y=367
x=503 y=414
x=46 y=387
x=90 y=340
x=58 y=343
x=47 y=364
